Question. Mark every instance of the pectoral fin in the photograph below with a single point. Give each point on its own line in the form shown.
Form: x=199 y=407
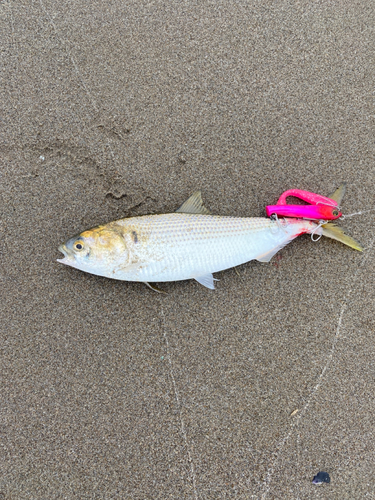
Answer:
x=194 y=205
x=207 y=280
x=155 y=288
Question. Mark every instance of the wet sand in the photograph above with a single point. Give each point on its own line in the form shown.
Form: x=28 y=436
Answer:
x=109 y=390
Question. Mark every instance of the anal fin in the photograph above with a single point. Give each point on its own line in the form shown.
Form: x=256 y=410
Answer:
x=266 y=257
x=207 y=280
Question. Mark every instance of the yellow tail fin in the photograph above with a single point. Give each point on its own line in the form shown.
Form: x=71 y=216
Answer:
x=338 y=195
x=330 y=230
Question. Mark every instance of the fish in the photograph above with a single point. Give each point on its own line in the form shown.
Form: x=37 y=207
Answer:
x=190 y=243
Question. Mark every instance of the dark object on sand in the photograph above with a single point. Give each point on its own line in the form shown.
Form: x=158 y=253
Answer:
x=321 y=477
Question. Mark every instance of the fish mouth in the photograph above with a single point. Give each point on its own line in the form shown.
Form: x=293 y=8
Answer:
x=63 y=250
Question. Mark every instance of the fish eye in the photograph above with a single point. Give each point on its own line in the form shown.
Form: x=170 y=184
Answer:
x=335 y=213
x=78 y=245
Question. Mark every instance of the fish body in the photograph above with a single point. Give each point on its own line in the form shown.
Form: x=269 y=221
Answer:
x=187 y=244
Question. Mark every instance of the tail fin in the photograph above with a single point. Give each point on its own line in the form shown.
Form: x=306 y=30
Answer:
x=330 y=230
x=338 y=195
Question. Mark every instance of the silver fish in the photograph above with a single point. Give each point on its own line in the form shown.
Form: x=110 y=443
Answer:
x=188 y=244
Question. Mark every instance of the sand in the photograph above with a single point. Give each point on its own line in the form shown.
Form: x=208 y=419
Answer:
x=114 y=109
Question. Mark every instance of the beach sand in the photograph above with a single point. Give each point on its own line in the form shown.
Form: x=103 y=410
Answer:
x=109 y=390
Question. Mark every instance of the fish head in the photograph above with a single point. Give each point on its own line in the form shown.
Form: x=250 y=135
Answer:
x=94 y=251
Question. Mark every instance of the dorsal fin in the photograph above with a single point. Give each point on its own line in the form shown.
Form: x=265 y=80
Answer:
x=194 y=205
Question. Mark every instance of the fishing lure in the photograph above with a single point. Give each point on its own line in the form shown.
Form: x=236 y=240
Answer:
x=320 y=208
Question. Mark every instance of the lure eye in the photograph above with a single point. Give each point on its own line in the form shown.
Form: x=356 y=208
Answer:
x=78 y=245
x=335 y=213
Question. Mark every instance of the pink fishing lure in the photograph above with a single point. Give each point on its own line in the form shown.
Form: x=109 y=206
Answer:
x=320 y=208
